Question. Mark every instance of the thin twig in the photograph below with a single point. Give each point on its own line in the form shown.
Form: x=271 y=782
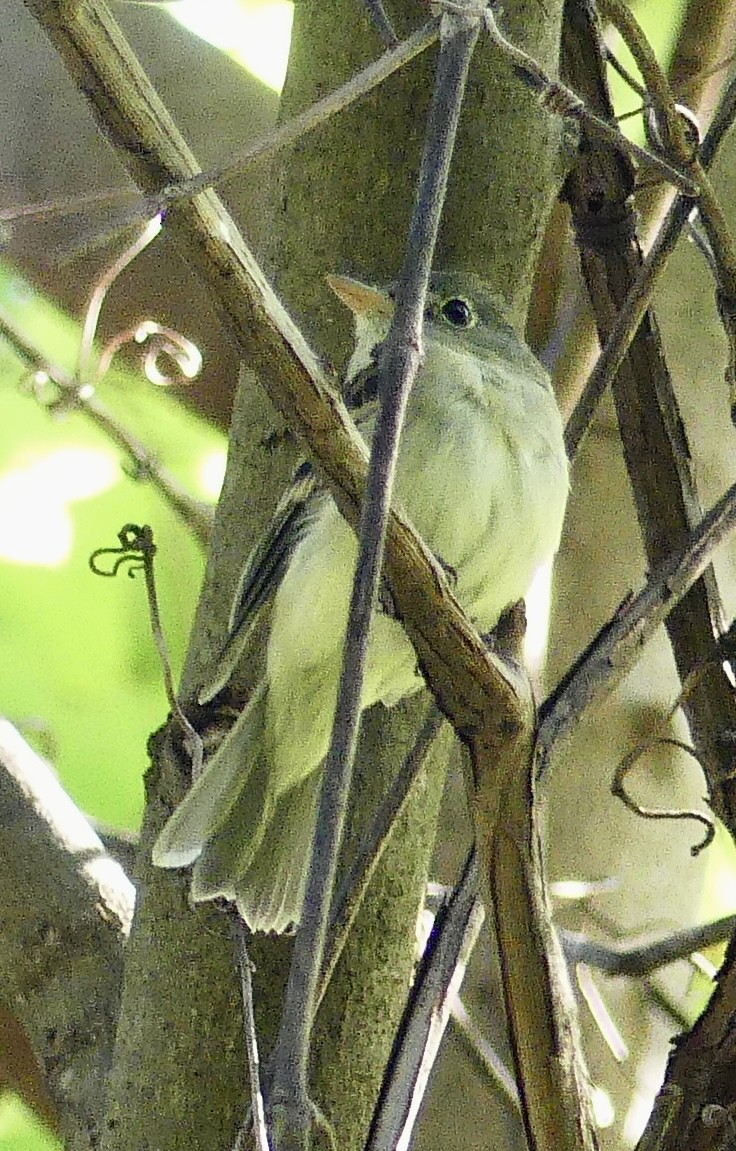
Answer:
x=636 y=960
x=85 y=371
x=624 y=329
x=281 y=137
x=679 y=211
x=136 y=553
x=676 y=143
x=560 y=99
x=347 y=901
x=491 y=1062
x=656 y=85
x=257 y=1112
x=195 y=515
x=75 y=205
x=593 y=998
x=382 y=23
x=637 y=301
x=311 y=118
x=617 y=647
x=399 y=363
x=618 y=788
x=442 y=970
x=704 y=47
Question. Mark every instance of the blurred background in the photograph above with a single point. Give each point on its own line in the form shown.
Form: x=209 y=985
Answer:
x=80 y=677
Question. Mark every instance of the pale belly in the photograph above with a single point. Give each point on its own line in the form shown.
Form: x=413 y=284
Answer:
x=490 y=516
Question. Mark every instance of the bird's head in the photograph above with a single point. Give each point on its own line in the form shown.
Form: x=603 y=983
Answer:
x=460 y=310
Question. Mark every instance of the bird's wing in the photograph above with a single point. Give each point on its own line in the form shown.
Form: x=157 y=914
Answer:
x=263 y=571
x=269 y=559
x=296 y=510
x=361 y=393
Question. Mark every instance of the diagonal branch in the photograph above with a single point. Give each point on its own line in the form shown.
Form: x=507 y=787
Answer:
x=617 y=647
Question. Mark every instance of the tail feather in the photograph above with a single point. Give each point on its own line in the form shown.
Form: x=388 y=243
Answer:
x=230 y=849
x=246 y=845
x=270 y=893
x=209 y=801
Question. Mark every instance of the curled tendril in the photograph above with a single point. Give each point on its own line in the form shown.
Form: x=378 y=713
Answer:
x=159 y=342
x=619 y=790
x=690 y=125
x=85 y=371
x=137 y=549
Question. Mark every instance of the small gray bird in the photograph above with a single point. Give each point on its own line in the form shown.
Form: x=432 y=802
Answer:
x=482 y=474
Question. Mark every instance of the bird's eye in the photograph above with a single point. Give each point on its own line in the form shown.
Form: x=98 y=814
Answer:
x=458 y=312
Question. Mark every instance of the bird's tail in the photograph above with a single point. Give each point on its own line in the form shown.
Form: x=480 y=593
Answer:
x=235 y=779
x=270 y=892
x=245 y=845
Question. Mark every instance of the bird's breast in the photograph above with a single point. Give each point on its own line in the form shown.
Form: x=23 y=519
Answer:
x=483 y=476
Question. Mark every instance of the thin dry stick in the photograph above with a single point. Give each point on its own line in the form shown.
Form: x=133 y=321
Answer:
x=85 y=371
x=721 y=244
x=75 y=205
x=676 y=142
x=619 y=789
x=632 y=311
x=312 y=117
x=382 y=23
x=703 y=51
x=179 y=191
x=438 y=980
x=623 y=332
x=558 y=98
x=137 y=552
x=618 y=646
x=399 y=364
x=347 y=901
x=491 y=1063
x=258 y=1115
x=643 y=959
x=197 y=516
x=582 y=352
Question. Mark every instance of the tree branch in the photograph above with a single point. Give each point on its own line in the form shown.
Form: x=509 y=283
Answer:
x=653 y=435
x=66 y=908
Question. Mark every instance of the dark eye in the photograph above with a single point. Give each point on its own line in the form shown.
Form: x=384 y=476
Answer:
x=458 y=313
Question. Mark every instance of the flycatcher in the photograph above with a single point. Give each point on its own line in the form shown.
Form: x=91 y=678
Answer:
x=482 y=474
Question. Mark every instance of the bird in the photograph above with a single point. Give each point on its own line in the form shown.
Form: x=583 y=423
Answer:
x=481 y=473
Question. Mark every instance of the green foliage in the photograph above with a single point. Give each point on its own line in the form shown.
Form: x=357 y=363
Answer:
x=81 y=676
x=19 y=1130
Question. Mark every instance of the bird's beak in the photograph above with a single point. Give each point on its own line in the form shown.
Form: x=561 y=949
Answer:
x=361 y=298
